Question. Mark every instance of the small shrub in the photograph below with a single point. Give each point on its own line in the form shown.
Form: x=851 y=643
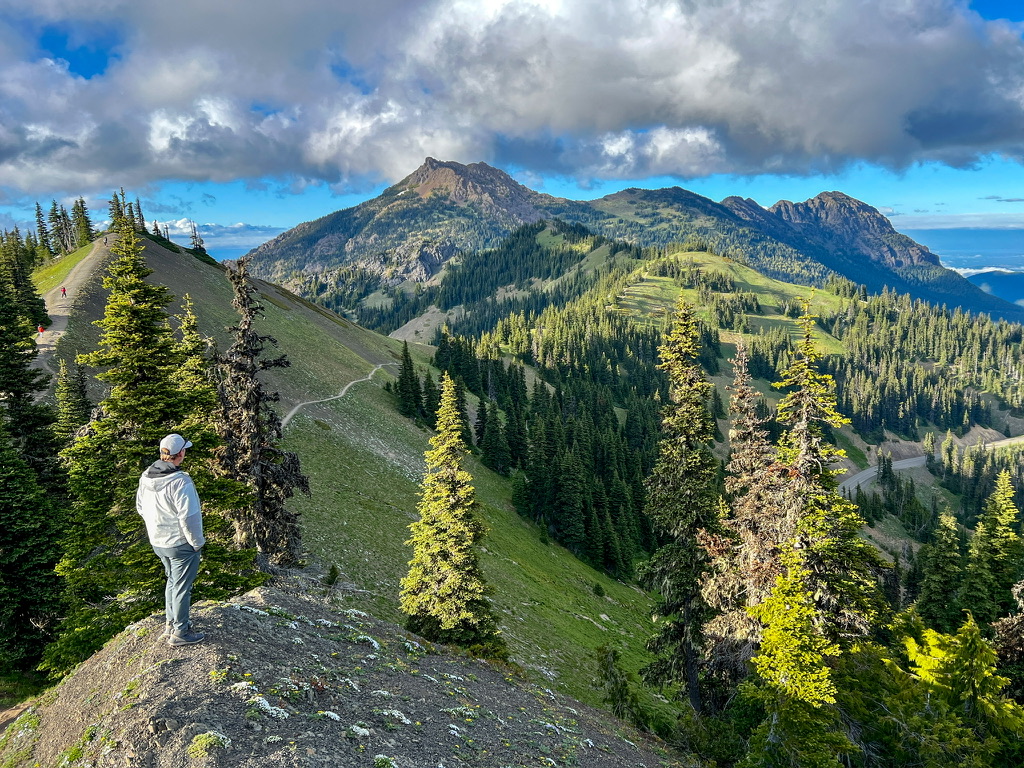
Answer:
x=205 y=742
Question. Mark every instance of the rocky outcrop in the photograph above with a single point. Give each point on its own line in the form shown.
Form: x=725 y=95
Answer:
x=287 y=679
x=840 y=222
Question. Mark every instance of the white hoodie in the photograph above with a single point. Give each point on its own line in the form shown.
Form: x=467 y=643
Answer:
x=168 y=502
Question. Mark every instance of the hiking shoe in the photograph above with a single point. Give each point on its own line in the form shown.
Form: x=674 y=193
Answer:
x=169 y=630
x=189 y=638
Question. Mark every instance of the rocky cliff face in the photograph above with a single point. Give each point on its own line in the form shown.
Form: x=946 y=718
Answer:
x=840 y=222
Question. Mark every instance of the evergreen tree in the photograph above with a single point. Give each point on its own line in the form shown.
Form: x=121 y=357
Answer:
x=73 y=404
x=748 y=563
x=493 y=445
x=960 y=674
x=840 y=564
x=431 y=398
x=801 y=725
x=408 y=387
x=115 y=211
x=444 y=592
x=29 y=423
x=994 y=557
x=567 y=516
x=43 y=233
x=682 y=501
x=941 y=576
x=251 y=432
x=81 y=223
x=28 y=553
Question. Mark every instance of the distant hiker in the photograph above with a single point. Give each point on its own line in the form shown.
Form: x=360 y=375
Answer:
x=168 y=502
x=41 y=330
x=63 y=292
x=104 y=241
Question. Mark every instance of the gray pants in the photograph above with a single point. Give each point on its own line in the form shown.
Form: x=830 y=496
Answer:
x=181 y=564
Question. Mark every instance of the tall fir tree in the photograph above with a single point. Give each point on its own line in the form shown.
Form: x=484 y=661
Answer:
x=408 y=386
x=994 y=557
x=43 y=233
x=748 y=561
x=251 y=433
x=493 y=445
x=840 y=565
x=683 y=504
x=81 y=223
x=942 y=568
x=29 y=422
x=444 y=592
x=73 y=404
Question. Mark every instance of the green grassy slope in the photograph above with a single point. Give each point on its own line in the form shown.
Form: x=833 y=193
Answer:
x=653 y=296
x=365 y=461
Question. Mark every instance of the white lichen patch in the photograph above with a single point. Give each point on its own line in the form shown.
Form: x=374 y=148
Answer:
x=396 y=715
x=251 y=609
x=382 y=694
x=369 y=640
x=267 y=708
x=463 y=713
x=351 y=684
x=298 y=641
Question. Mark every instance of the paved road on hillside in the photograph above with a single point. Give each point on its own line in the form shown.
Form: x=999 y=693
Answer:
x=59 y=308
x=344 y=391
x=867 y=476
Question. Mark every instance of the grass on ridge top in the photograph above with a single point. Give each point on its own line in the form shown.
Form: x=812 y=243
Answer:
x=52 y=275
x=653 y=298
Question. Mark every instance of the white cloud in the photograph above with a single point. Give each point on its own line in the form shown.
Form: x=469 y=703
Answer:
x=959 y=221
x=317 y=90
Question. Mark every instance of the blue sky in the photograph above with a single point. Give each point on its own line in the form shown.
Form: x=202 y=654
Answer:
x=252 y=117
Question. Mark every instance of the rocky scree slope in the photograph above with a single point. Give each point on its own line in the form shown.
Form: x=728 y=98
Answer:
x=285 y=678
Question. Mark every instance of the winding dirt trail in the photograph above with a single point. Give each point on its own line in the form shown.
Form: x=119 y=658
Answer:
x=58 y=307
x=344 y=391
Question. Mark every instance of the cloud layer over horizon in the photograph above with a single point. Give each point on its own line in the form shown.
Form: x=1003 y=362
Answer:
x=351 y=94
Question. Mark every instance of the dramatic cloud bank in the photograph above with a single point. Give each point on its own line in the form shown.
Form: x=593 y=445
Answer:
x=343 y=92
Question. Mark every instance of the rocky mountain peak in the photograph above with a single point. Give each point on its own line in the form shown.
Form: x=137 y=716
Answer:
x=473 y=183
x=837 y=220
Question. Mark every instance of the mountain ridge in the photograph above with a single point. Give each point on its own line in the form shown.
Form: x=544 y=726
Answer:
x=411 y=231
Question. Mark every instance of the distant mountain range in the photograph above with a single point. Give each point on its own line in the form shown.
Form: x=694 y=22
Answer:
x=443 y=209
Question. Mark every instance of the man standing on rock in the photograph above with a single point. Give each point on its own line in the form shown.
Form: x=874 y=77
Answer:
x=168 y=502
